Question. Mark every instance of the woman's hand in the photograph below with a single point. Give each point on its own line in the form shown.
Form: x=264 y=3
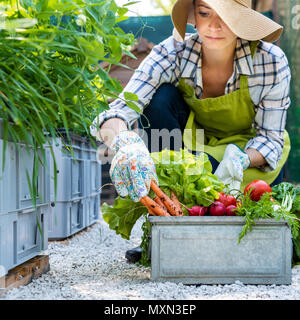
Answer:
x=231 y=169
x=132 y=167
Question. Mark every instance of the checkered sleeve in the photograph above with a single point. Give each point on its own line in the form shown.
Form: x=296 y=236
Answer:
x=270 y=119
x=157 y=68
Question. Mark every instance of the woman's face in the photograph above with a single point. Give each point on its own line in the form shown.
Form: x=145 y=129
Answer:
x=212 y=30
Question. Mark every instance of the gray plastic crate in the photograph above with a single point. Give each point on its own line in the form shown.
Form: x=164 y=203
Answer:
x=94 y=175
x=20 y=237
x=93 y=209
x=67 y=218
x=78 y=187
x=14 y=188
x=205 y=250
x=73 y=171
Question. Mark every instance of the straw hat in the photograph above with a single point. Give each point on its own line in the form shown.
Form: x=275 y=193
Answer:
x=243 y=21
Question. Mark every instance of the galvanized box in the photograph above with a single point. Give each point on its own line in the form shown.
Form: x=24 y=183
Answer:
x=205 y=250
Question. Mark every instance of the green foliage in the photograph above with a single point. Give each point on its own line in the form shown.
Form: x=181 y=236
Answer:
x=49 y=74
x=146 y=228
x=284 y=189
x=281 y=192
x=265 y=208
x=189 y=176
x=122 y=216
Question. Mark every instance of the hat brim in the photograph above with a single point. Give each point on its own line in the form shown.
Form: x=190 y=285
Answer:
x=244 y=22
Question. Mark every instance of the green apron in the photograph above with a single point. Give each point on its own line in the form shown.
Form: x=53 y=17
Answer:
x=226 y=119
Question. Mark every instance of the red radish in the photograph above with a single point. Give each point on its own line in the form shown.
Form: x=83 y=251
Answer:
x=197 y=211
x=217 y=209
x=230 y=210
x=203 y=210
x=259 y=187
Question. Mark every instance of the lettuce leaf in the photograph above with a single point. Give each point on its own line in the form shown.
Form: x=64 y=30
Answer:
x=188 y=175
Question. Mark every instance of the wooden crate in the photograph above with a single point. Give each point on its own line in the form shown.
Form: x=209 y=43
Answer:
x=25 y=273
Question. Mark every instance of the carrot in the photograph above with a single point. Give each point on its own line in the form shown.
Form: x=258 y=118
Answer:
x=157 y=200
x=176 y=202
x=173 y=210
x=152 y=206
x=145 y=203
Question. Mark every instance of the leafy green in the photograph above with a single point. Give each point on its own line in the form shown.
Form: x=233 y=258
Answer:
x=265 y=208
x=122 y=216
x=285 y=190
x=188 y=175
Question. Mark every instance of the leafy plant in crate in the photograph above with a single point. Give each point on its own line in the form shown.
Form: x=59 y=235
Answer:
x=49 y=74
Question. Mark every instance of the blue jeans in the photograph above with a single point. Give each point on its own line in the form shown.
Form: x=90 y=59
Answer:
x=168 y=110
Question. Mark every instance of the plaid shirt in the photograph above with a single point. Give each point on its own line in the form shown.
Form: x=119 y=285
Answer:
x=268 y=80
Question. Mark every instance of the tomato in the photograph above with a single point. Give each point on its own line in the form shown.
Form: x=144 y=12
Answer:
x=227 y=199
x=259 y=188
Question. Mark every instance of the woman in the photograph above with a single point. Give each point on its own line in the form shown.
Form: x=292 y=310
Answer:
x=228 y=79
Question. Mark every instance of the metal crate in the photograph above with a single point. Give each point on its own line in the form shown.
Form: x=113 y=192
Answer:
x=205 y=250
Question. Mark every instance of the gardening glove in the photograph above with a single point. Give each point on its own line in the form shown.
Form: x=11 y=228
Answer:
x=132 y=167
x=231 y=169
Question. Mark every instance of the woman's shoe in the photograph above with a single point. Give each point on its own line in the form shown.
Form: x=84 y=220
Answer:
x=134 y=255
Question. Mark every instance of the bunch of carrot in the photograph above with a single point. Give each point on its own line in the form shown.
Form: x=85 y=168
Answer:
x=162 y=205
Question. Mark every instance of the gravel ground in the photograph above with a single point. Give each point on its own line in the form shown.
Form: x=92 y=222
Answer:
x=91 y=265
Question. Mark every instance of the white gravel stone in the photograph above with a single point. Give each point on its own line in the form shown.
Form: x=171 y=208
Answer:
x=92 y=265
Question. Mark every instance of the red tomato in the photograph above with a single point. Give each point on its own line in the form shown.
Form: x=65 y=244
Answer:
x=259 y=188
x=227 y=199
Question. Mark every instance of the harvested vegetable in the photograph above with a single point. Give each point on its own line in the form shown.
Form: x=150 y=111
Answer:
x=172 y=209
x=176 y=202
x=153 y=207
x=265 y=208
x=257 y=188
x=187 y=175
x=281 y=193
x=227 y=199
x=158 y=201
x=217 y=209
x=230 y=210
x=197 y=210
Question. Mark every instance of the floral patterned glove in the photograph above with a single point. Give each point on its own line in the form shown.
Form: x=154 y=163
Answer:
x=231 y=169
x=132 y=167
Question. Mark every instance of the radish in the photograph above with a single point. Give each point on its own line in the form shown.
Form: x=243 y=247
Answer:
x=197 y=211
x=230 y=210
x=217 y=209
